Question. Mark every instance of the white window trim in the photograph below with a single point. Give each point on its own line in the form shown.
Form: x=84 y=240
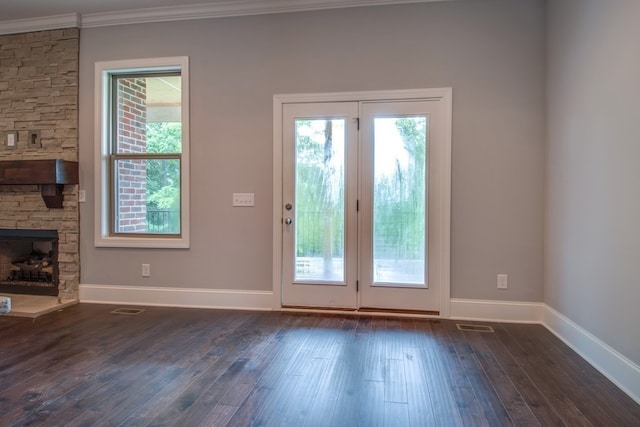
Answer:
x=103 y=71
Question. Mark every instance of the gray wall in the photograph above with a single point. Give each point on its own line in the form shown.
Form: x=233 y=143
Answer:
x=593 y=201
x=490 y=51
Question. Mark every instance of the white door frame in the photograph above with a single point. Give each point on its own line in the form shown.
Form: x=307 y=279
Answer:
x=443 y=95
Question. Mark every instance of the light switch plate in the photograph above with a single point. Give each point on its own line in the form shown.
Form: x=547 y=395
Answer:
x=243 y=199
x=11 y=140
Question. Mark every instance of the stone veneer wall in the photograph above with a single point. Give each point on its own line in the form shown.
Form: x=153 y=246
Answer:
x=39 y=91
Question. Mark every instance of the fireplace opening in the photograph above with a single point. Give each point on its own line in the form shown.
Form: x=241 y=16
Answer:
x=29 y=262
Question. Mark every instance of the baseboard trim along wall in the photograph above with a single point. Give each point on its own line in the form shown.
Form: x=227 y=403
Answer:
x=618 y=369
x=177 y=297
x=496 y=311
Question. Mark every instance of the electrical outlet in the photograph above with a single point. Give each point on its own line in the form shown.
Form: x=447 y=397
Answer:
x=146 y=270
x=82 y=196
x=502 y=281
x=33 y=140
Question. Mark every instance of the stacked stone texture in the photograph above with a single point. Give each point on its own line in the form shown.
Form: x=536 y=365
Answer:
x=39 y=91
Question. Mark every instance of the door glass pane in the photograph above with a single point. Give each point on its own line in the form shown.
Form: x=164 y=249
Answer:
x=399 y=211
x=319 y=197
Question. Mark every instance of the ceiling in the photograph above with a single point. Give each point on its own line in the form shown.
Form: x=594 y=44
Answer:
x=32 y=15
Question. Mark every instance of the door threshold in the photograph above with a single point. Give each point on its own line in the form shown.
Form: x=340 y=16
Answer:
x=399 y=311
x=362 y=311
x=305 y=308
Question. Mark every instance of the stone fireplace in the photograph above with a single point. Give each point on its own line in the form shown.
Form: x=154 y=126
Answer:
x=39 y=95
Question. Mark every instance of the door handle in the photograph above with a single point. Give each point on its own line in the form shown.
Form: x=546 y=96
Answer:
x=288 y=220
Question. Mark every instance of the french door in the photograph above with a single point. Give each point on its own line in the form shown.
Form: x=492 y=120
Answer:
x=361 y=204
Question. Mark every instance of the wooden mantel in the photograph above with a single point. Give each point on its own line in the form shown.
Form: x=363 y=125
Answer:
x=51 y=175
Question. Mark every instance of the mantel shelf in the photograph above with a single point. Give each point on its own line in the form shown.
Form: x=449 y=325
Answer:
x=50 y=174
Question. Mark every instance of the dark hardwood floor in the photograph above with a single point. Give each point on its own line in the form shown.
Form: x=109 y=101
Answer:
x=84 y=366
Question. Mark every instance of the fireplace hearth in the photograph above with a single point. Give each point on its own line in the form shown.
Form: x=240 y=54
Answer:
x=29 y=262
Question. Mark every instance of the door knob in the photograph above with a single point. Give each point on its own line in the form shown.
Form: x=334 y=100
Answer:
x=288 y=220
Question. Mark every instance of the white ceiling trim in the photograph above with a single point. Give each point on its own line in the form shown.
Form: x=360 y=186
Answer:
x=40 y=24
x=224 y=9
x=227 y=8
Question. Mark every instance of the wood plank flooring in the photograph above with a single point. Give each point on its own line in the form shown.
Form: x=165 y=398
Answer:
x=84 y=366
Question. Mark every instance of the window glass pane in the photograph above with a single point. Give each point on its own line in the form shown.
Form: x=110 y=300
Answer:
x=148 y=196
x=148 y=116
x=399 y=211
x=319 y=197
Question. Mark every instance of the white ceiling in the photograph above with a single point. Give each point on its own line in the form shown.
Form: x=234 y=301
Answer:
x=32 y=15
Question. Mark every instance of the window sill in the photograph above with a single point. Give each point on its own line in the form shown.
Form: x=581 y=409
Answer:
x=142 y=242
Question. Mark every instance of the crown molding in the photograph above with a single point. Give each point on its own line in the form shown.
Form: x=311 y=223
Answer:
x=40 y=24
x=223 y=9
x=218 y=9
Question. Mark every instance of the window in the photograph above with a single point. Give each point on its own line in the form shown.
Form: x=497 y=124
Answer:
x=142 y=161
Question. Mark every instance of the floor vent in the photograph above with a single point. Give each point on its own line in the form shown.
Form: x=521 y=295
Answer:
x=474 y=328
x=131 y=311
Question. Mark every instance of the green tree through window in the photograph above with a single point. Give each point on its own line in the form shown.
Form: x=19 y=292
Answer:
x=163 y=186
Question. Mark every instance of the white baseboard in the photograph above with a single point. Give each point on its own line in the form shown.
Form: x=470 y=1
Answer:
x=618 y=369
x=177 y=297
x=496 y=311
